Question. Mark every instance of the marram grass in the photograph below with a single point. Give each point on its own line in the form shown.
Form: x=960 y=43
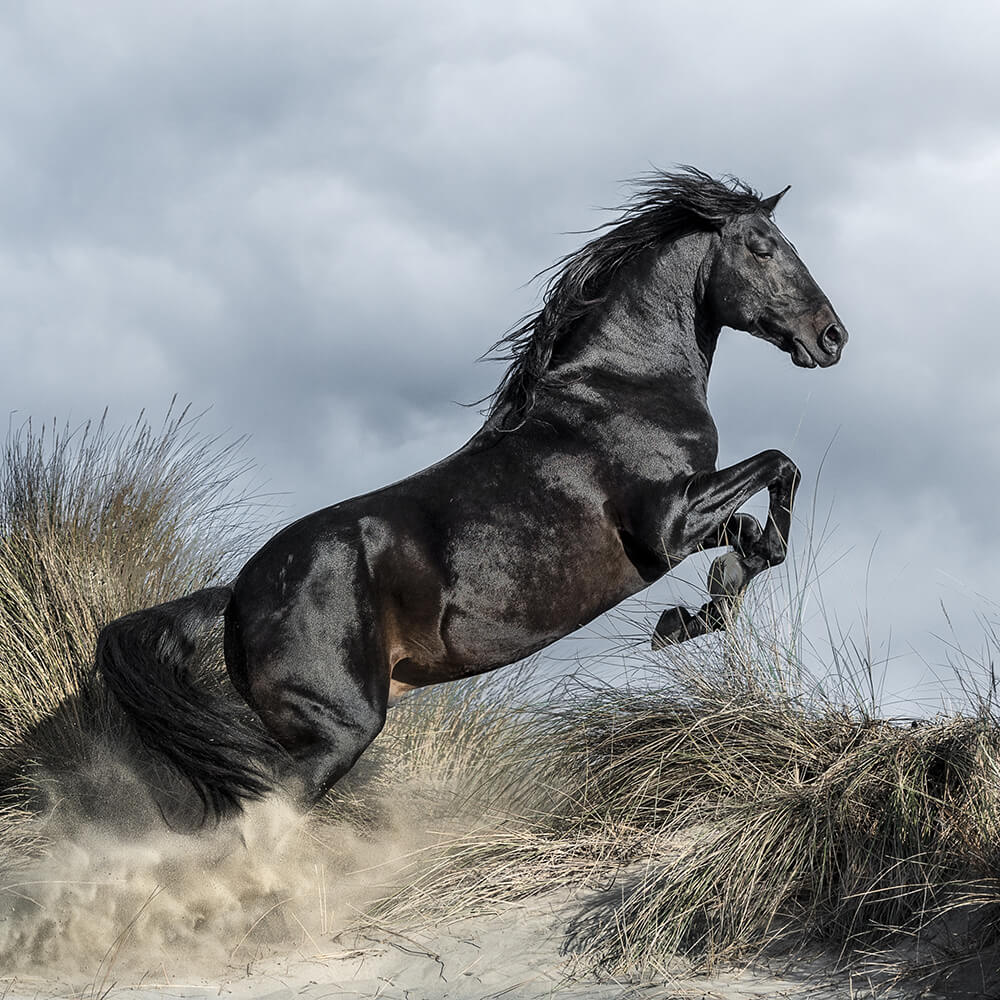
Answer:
x=724 y=815
x=94 y=524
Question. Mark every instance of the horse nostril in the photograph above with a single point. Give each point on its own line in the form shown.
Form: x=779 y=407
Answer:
x=832 y=338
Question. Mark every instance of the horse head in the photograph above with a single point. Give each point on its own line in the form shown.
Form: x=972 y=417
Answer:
x=757 y=283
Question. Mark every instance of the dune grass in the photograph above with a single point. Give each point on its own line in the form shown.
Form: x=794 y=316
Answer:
x=95 y=523
x=738 y=809
x=728 y=805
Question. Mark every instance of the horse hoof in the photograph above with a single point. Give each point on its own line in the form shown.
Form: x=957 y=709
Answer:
x=672 y=628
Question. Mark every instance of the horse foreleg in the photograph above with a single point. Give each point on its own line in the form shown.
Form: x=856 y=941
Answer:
x=740 y=532
x=711 y=519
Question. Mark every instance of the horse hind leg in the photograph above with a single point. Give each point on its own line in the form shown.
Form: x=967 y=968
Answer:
x=323 y=736
x=321 y=709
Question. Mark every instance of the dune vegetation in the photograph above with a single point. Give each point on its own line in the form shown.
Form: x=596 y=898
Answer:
x=726 y=806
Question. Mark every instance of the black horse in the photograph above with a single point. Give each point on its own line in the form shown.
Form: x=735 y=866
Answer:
x=593 y=475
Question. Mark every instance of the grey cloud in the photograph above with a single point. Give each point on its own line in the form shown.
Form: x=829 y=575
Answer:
x=314 y=218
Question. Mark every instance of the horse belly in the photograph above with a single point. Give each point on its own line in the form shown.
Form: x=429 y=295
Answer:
x=511 y=600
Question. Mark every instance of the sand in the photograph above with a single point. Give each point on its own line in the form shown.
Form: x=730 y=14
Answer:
x=265 y=908
x=517 y=954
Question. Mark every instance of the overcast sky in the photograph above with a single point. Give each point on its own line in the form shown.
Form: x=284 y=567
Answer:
x=312 y=218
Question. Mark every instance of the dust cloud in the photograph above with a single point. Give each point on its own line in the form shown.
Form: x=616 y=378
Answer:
x=116 y=895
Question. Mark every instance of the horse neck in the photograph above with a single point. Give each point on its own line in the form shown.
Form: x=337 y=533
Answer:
x=652 y=332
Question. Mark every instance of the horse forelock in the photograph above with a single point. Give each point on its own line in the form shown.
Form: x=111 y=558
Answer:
x=663 y=208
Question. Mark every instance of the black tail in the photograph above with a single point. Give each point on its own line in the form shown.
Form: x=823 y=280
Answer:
x=144 y=658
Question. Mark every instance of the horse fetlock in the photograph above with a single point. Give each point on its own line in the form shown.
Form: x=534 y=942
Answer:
x=718 y=614
x=742 y=532
x=728 y=575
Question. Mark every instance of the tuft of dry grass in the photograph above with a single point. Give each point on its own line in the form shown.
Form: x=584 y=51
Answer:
x=799 y=823
x=735 y=809
x=95 y=523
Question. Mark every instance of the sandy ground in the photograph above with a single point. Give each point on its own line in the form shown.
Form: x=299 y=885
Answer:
x=515 y=955
x=102 y=917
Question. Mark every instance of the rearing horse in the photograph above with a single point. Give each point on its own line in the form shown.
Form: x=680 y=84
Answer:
x=593 y=475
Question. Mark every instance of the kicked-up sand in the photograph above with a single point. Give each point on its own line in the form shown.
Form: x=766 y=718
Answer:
x=275 y=905
x=266 y=908
x=517 y=954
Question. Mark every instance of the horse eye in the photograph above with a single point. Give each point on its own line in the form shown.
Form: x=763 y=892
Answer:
x=761 y=250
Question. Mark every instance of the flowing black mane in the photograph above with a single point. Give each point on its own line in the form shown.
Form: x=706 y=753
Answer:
x=664 y=207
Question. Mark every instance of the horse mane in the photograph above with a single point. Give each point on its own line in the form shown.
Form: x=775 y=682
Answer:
x=663 y=207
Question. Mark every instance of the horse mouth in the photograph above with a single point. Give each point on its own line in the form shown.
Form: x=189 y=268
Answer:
x=804 y=352
x=801 y=355
x=807 y=355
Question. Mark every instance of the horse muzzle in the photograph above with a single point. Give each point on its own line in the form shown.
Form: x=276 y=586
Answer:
x=823 y=349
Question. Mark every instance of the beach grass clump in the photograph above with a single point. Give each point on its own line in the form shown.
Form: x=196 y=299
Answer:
x=95 y=523
x=726 y=808
x=792 y=823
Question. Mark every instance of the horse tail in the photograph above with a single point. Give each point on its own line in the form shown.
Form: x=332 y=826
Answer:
x=145 y=658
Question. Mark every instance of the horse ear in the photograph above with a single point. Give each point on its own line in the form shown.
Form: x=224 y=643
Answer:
x=770 y=204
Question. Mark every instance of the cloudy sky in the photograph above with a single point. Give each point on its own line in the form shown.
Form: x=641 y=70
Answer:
x=311 y=218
